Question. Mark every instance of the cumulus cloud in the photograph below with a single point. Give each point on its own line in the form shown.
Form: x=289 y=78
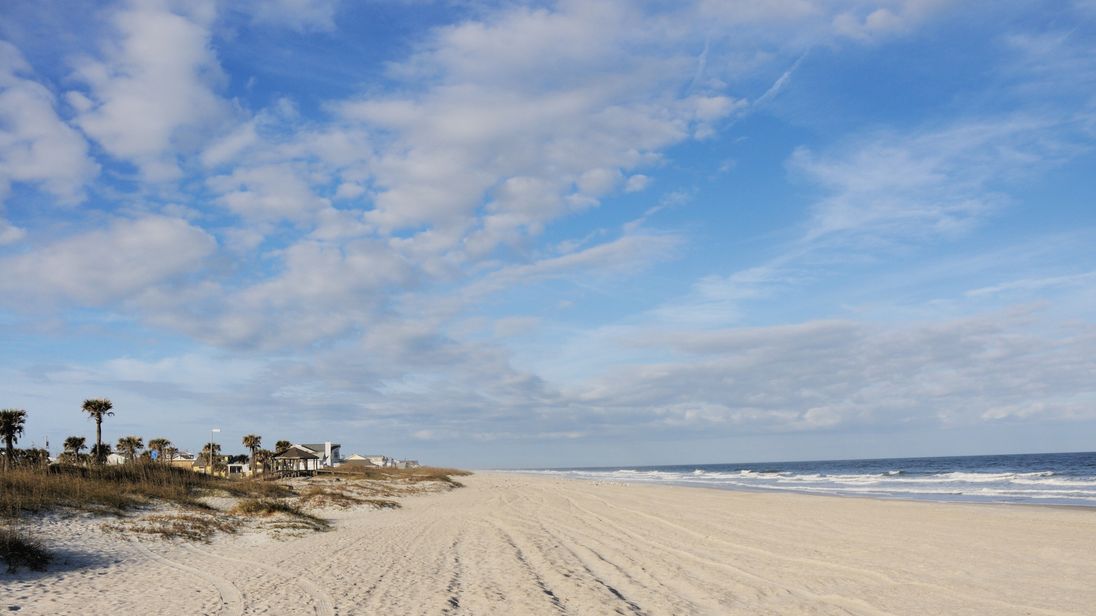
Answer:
x=534 y=149
x=151 y=91
x=267 y=193
x=106 y=266
x=36 y=145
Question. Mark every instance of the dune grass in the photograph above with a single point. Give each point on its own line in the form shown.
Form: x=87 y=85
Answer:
x=19 y=550
x=341 y=498
x=411 y=475
x=267 y=507
x=186 y=526
x=116 y=488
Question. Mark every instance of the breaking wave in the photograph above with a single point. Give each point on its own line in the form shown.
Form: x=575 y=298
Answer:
x=1044 y=478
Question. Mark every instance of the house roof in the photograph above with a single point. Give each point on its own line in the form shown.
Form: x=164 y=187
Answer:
x=297 y=452
x=318 y=447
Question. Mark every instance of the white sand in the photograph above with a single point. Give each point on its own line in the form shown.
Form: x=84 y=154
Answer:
x=512 y=544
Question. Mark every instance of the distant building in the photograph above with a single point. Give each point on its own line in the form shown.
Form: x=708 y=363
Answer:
x=200 y=465
x=327 y=452
x=239 y=469
x=379 y=460
x=297 y=459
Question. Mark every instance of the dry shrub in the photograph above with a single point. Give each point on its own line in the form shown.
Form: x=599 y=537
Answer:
x=179 y=526
x=411 y=475
x=266 y=507
x=340 y=498
x=18 y=550
x=115 y=488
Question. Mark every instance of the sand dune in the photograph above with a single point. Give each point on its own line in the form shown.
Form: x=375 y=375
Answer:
x=511 y=544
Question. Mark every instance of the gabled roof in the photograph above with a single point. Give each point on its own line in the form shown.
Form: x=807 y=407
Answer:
x=297 y=452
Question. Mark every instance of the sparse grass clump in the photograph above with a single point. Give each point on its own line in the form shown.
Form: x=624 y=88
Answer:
x=267 y=507
x=341 y=498
x=193 y=527
x=18 y=550
x=410 y=475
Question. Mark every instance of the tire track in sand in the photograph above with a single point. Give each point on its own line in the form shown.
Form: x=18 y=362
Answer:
x=929 y=587
x=232 y=600
x=324 y=605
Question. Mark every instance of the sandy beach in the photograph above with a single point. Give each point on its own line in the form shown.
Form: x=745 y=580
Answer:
x=516 y=544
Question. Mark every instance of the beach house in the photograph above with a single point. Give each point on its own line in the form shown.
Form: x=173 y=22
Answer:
x=297 y=459
x=327 y=452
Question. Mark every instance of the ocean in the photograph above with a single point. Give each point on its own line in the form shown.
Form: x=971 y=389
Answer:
x=1049 y=478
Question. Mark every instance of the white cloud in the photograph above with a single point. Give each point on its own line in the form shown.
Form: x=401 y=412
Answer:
x=870 y=21
x=36 y=145
x=893 y=186
x=481 y=130
x=637 y=183
x=227 y=148
x=151 y=95
x=268 y=193
x=9 y=233
x=300 y=15
x=1034 y=284
x=106 y=266
x=817 y=375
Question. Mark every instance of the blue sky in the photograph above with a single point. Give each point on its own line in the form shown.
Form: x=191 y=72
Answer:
x=550 y=234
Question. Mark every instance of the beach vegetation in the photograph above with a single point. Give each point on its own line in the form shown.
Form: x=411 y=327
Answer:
x=129 y=446
x=162 y=447
x=252 y=442
x=190 y=526
x=12 y=424
x=97 y=409
x=73 y=453
x=320 y=497
x=211 y=457
x=410 y=475
x=17 y=549
x=267 y=507
x=115 y=489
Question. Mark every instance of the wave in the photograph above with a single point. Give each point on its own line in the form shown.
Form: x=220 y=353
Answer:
x=1024 y=486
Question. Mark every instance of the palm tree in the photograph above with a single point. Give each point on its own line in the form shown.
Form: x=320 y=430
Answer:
x=100 y=452
x=265 y=456
x=170 y=452
x=12 y=422
x=160 y=446
x=252 y=442
x=73 y=446
x=211 y=457
x=128 y=446
x=97 y=408
x=281 y=446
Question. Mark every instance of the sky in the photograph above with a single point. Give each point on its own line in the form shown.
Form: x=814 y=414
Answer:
x=574 y=233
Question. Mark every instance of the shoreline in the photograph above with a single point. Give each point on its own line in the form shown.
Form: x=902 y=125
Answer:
x=518 y=544
x=792 y=491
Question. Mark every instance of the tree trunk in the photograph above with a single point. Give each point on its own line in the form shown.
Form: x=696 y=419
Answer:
x=9 y=452
x=99 y=458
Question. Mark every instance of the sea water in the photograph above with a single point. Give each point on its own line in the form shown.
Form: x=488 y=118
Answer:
x=1053 y=478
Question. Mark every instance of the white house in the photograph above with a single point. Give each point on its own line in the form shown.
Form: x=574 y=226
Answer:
x=379 y=460
x=297 y=458
x=327 y=452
